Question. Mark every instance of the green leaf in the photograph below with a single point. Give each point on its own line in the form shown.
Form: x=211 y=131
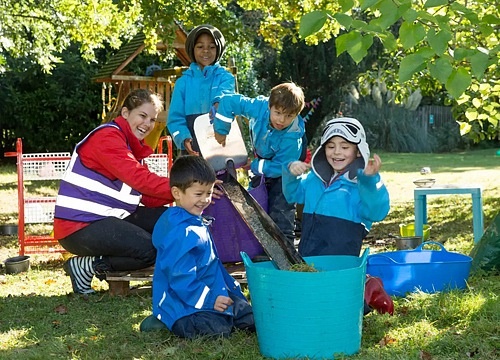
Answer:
x=388 y=41
x=438 y=41
x=343 y=19
x=312 y=22
x=465 y=128
x=441 y=69
x=491 y=19
x=388 y=14
x=346 y=5
x=477 y=103
x=365 y=4
x=479 y=64
x=409 y=66
x=410 y=34
x=460 y=54
x=434 y=3
x=410 y=15
x=458 y=82
x=356 y=45
x=471 y=114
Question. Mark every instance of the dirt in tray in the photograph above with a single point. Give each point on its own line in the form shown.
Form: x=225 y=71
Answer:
x=303 y=268
x=250 y=216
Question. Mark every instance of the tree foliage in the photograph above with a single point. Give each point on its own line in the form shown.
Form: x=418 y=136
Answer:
x=455 y=42
x=452 y=42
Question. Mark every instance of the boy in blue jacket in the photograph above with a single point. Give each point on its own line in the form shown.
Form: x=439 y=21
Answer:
x=277 y=133
x=199 y=87
x=342 y=196
x=193 y=294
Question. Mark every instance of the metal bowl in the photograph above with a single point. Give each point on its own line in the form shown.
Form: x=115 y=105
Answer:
x=17 y=264
x=424 y=183
x=8 y=229
x=408 y=243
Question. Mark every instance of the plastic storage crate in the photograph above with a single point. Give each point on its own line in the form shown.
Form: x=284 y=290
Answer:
x=36 y=209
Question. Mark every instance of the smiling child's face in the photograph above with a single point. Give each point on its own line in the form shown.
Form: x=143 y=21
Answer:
x=340 y=153
x=195 y=198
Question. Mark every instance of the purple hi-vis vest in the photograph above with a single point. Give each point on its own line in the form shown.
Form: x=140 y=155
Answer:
x=86 y=195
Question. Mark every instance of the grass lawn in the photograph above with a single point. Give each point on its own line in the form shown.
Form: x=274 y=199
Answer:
x=40 y=318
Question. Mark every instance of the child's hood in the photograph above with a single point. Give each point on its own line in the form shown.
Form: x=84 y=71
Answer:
x=220 y=42
x=351 y=130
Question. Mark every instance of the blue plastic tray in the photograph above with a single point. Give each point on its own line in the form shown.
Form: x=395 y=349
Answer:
x=425 y=270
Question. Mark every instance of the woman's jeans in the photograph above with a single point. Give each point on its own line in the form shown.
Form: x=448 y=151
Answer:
x=124 y=244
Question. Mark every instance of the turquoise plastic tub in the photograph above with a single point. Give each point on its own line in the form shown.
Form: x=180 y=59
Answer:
x=308 y=314
x=425 y=270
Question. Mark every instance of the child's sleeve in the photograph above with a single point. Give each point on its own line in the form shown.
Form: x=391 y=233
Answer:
x=293 y=186
x=232 y=105
x=181 y=266
x=176 y=121
x=290 y=149
x=226 y=86
x=375 y=203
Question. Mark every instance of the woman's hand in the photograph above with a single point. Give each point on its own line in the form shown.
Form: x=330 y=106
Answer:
x=188 y=145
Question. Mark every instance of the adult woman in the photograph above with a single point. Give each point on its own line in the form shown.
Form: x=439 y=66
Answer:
x=97 y=214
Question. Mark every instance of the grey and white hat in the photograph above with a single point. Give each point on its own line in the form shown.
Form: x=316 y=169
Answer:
x=349 y=129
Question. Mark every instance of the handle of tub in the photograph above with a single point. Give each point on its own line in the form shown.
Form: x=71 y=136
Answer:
x=420 y=247
x=365 y=256
x=377 y=259
x=246 y=259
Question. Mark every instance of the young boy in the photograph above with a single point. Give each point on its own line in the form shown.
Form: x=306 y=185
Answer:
x=199 y=86
x=193 y=294
x=342 y=196
x=277 y=133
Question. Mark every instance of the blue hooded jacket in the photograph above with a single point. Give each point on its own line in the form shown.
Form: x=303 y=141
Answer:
x=188 y=275
x=339 y=209
x=194 y=94
x=272 y=147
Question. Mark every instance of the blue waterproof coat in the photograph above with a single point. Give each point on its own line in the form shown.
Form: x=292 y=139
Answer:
x=338 y=216
x=194 y=94
x=188 y=275
x=272 y=147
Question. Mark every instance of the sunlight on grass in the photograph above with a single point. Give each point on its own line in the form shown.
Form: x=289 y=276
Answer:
x=14 y=338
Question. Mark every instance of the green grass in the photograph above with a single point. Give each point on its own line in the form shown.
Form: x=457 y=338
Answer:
x=40 y=318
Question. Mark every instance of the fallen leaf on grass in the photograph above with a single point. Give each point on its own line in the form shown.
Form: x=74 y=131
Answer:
x=424 y=355
x=472 y=353
x=386 y=340
x=61 y=309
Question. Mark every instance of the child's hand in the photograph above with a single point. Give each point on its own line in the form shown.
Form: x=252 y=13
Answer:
x=222 y=303
x=221 y=139
x=298 y=167
x=373 y=166
x=213 y=111
x=188 y=144
x=218 y=193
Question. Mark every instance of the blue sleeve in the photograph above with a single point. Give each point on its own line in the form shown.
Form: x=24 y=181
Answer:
x=293 y=186
x=290 y=149
x=227 y=85
x=180 y=267
x=375 y=203
x=233 y=105
x=176 y=121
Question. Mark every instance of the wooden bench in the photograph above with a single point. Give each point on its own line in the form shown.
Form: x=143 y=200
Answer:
x=119 y=282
